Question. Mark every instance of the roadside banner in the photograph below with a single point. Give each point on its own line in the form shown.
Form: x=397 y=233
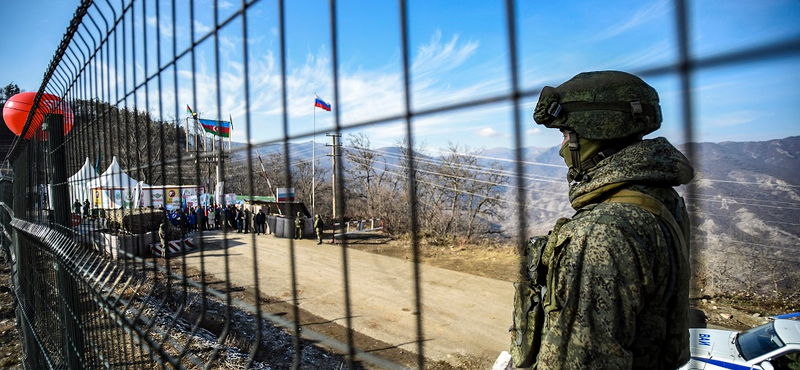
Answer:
x=157 y=197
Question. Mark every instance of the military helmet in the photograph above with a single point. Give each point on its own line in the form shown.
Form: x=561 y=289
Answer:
x=604 y=105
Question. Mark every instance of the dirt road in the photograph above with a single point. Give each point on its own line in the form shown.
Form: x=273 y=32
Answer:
x=464 y=316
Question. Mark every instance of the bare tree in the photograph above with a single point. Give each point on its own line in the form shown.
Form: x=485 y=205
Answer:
x=367 y=172
x=470 y=189
x=401 y=216
x=456 y=192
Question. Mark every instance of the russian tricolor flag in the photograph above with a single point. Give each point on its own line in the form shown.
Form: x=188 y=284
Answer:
x=321 y=104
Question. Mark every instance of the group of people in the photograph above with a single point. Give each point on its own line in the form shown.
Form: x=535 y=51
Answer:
x=84 y=209
x=211 y=217
x=245 y=222
x=299 y=225
x=241 y=219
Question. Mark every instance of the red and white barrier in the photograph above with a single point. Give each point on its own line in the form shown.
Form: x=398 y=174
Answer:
x=173 y=247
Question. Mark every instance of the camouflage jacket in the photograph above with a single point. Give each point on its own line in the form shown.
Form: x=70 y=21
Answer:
x=611 y=303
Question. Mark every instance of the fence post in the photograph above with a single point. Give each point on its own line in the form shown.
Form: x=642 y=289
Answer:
x=67 y=287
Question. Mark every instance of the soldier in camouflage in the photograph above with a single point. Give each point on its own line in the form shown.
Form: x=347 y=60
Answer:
x=319 y=225
x=617 y=286
x=162 y=234
x=299 y=221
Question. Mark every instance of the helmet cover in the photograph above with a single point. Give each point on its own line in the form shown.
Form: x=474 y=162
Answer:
x=604 y=105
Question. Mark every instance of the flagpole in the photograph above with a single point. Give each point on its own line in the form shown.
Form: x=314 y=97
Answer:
x=313 y=160
x=187 y=134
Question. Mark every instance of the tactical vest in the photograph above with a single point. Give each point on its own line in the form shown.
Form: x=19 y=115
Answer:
x=533 y=286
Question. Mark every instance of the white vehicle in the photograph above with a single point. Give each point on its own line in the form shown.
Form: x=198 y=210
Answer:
x=772 y=346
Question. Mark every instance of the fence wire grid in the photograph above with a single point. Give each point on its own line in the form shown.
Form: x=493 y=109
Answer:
x=89 y=300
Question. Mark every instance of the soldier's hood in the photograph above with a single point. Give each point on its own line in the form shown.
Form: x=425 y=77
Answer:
x=652 y=162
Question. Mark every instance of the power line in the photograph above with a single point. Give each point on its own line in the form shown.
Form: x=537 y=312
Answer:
x=729 y=252
x=765 y=221
x=748 y=243
x=745 y=204
x=475 y=168
x=747 y=183
x=724 y=198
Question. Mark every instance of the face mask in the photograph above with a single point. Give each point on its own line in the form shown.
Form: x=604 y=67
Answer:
x=564 y=153
x=588 y=148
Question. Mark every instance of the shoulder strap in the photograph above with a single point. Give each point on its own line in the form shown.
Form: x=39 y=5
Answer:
x=653 y=206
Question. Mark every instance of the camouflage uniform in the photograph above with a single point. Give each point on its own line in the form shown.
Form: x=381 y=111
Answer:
x=162 y=234
x=318 y=226
x=618 y=286
x=298 y=226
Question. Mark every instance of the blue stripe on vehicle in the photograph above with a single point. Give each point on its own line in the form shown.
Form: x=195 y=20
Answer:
x=722 y=364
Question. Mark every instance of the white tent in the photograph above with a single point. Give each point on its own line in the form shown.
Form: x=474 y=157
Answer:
x=78 y=183
x=113 y=188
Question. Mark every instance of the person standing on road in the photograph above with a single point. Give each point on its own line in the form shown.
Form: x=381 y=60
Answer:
x=248 y=220
x=199 y=217
x=610 y=286
x=212 y=219
x=192 y=220
x=102 y=214
x=86 y=209
x=182 y=223
x=162 y=234
x=240 y=219
x=232 y=223
x=318 y=226
x=261 y=219
x=76 y=207
x=299 y=221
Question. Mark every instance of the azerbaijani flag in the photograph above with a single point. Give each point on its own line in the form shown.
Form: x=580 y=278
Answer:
x=321 y=104
x=189 y=110
x=219 y=128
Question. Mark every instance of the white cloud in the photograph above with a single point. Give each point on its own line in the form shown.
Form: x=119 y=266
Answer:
x=534 y=131
x=201 y=28
x=640 y=17
x=364 y=94
x=436 y=57
x=164 y=27
x=491 y=132
x=733 y=118
x=659 y=52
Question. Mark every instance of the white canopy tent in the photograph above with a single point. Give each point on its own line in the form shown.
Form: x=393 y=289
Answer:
x=78 y=183
x=114 y=188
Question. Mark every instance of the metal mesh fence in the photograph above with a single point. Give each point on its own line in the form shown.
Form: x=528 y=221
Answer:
x=95 y=292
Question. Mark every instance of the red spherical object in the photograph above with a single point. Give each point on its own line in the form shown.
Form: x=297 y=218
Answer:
x=16 y=110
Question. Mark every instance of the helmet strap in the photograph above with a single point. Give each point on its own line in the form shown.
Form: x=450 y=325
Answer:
x=578 y=171
x=575 y=173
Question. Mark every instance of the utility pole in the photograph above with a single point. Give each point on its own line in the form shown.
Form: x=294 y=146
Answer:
x=334 y=153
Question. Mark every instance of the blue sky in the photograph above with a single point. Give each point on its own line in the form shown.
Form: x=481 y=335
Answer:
x=458 y=53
